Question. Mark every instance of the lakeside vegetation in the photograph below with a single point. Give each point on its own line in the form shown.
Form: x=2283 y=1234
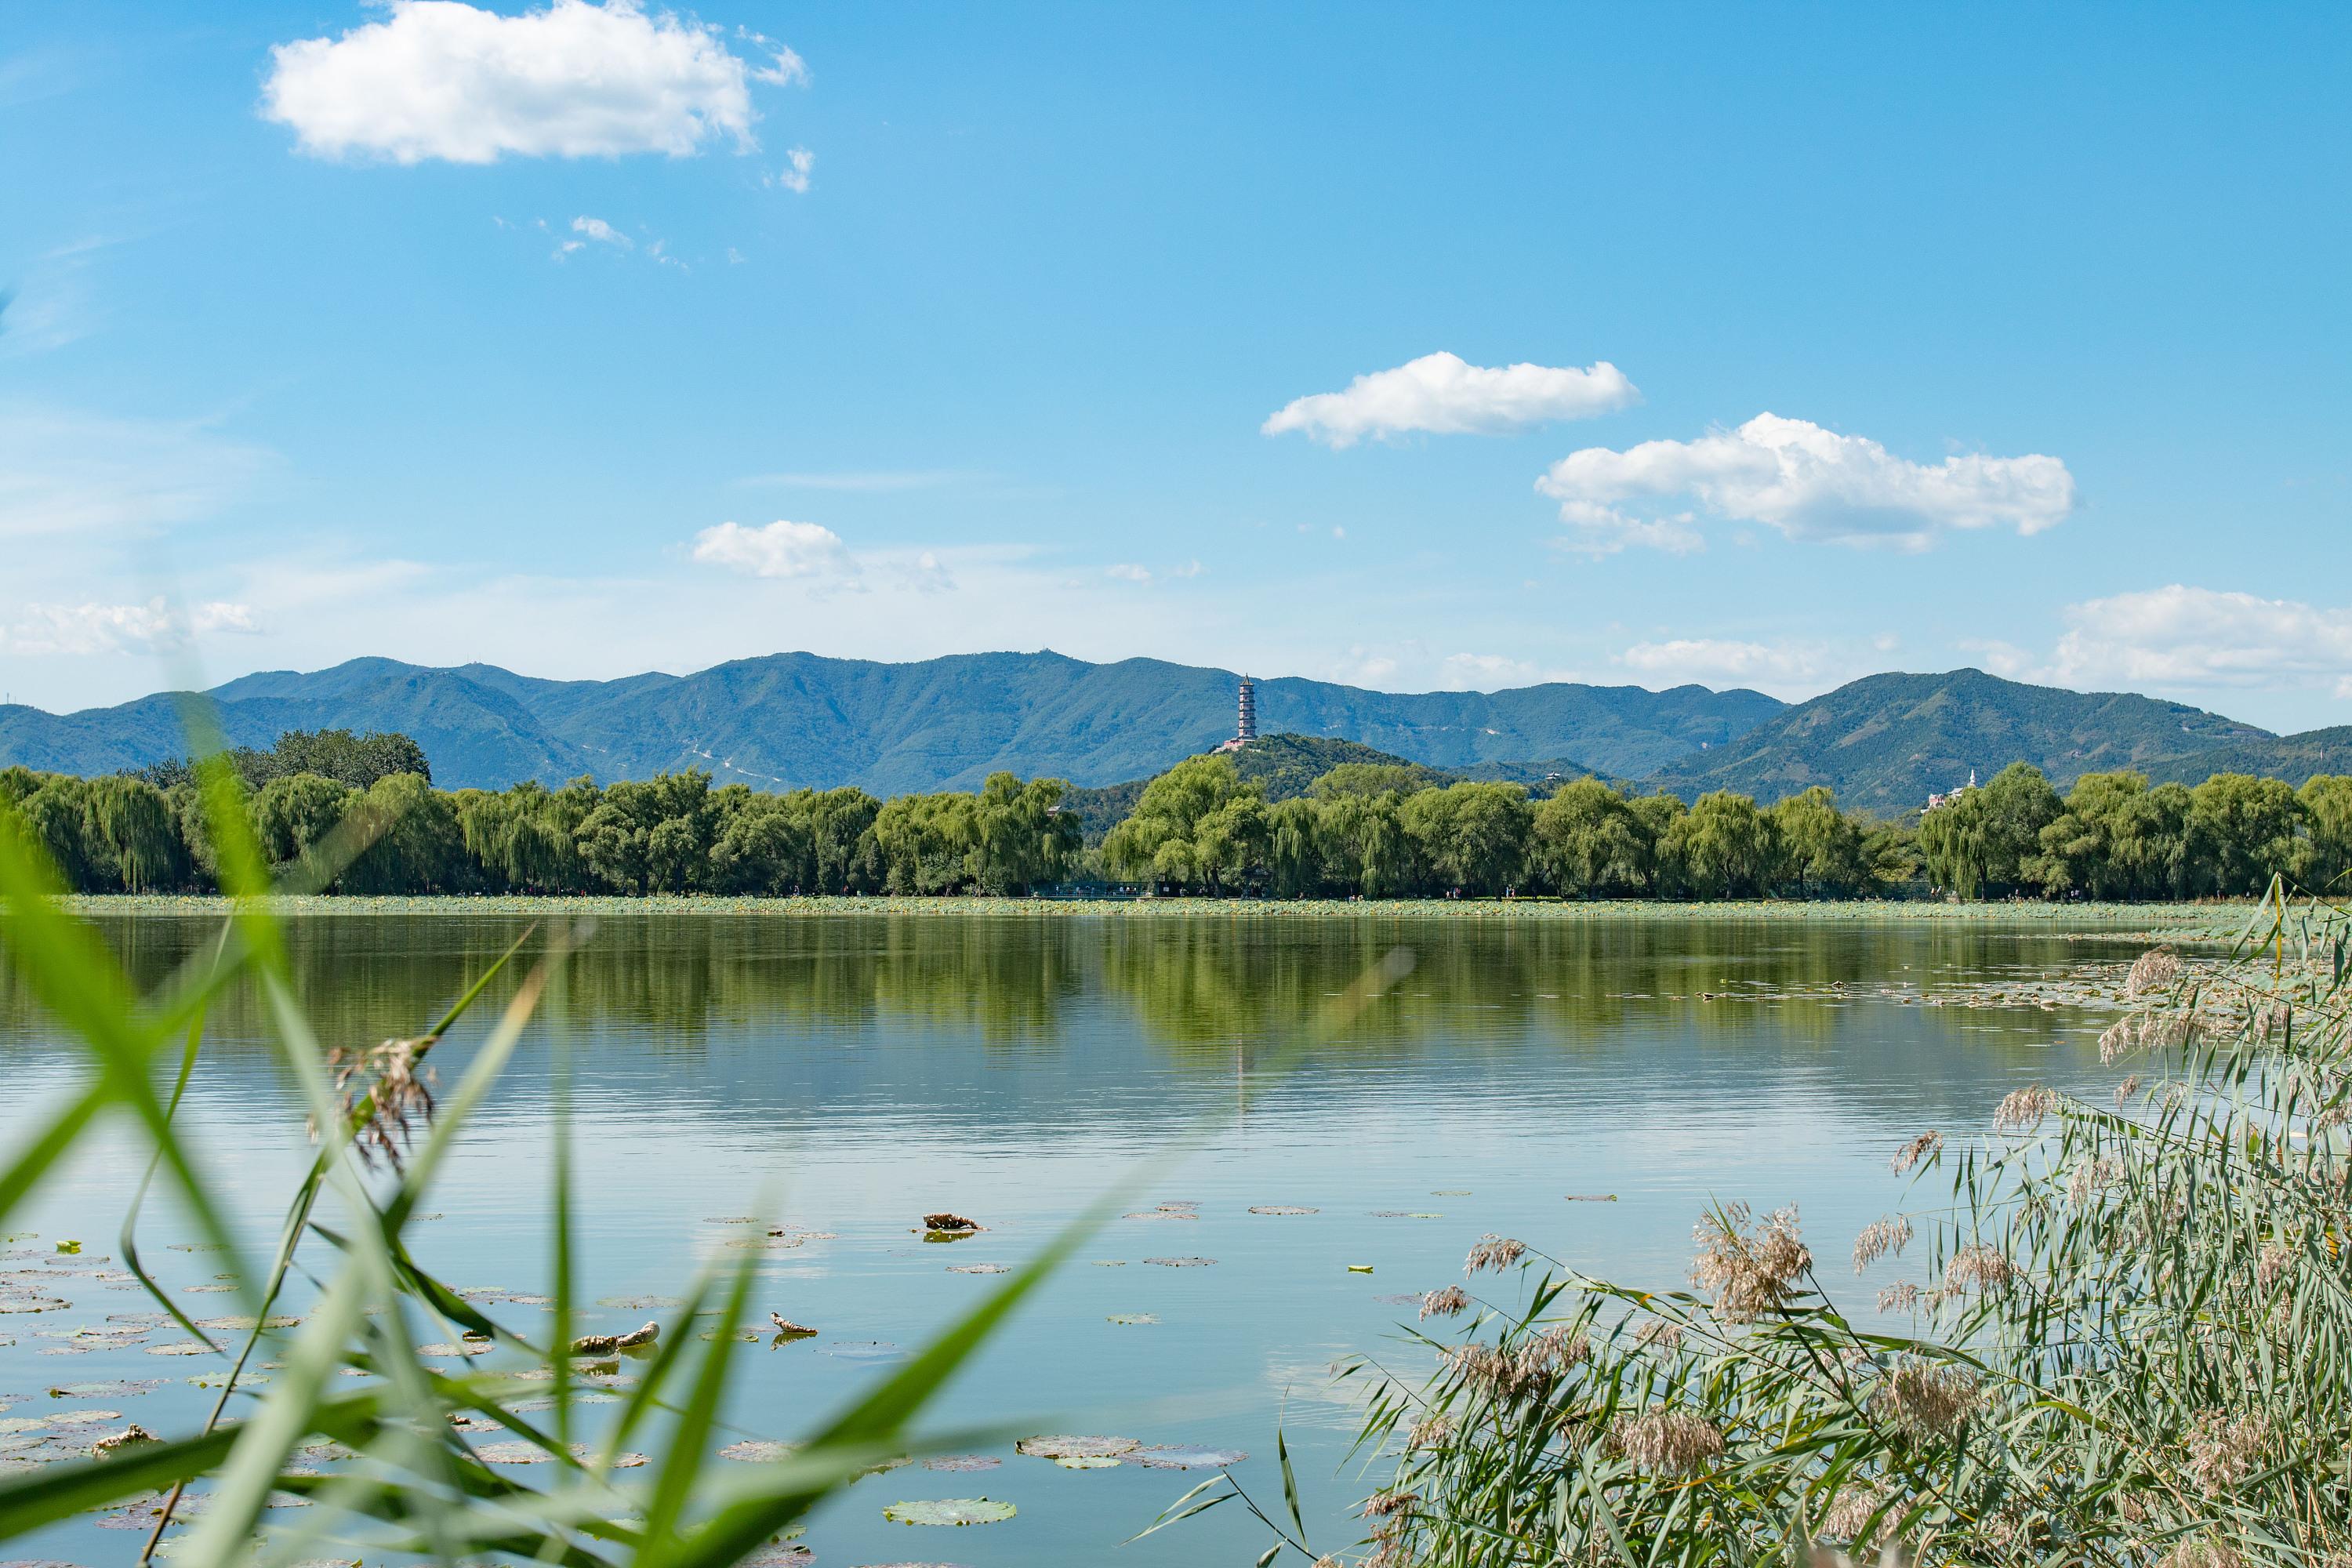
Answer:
x=1360 y=830
x=2129 y=1345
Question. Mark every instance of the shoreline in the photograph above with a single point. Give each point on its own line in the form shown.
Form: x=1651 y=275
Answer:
x=2205 y=921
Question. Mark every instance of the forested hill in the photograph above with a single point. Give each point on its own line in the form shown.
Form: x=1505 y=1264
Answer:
x=797 y=719
x=2293 y=758
x=1885 y=741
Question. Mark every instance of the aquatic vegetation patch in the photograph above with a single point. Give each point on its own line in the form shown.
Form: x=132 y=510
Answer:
x=961 y=1462
x=758 y=1451
x=1065 y=1447
x=1183 y=1262
x=951 y=1512
x=1185 y=1456
x=1281 y=1208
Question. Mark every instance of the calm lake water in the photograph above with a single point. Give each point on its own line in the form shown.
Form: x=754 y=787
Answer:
x=850 y=1073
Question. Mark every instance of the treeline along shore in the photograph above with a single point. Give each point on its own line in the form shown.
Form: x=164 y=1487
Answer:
x=359 y=815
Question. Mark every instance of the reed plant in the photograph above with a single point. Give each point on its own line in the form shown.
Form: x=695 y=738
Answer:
x=609 y=1482
x=2131 y=1343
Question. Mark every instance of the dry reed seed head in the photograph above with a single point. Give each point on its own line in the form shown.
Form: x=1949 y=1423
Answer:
x=1749 y=1271
x=387 y=1080
x=2276 y=1260
x=1916 y=1149
x=2158 y=969
x=1495 y=1252
x=2023 y=1109
x=1924 y=1398
x=2118 y=1038
x=1380 y=1505
x=2091 y=1177
x=1880 y=1238
x=2223 y=1451
x=2205 y=1551
x=1980 y=1267
x=1902 y=1297
x=1668 y=1442
x=1429 y=1431
x=1445 y=1303
x=1850 y=1510
x=1665 y=1336
x=2125 y=1090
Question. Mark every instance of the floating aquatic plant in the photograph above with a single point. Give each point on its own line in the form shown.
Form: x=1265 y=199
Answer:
x=951 y=1512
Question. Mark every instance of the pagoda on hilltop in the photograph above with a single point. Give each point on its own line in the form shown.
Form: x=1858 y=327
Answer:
x=1245 y=719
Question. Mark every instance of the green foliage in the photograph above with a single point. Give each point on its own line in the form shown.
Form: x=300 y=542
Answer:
x=1197 y=826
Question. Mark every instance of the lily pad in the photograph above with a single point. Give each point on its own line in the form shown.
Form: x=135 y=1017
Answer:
x=181 y=1347
x=1281 y=1208
x=950 y=1511
x=462 y=1348
x=979 y=1268
x=1089 y=1462
x=13 y=1302
x=1181 y=1262
x=105 y=1390
x=243 y=1325
x=957 y=1462
x=1061 y=1447
x=792 y=1555
x=520 y=1453
x=1183 y=1457
x=1130 y=1320
x=758 y=1451
x=740 y=1336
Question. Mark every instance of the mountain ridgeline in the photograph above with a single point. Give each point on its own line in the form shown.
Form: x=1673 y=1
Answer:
x=796 y=719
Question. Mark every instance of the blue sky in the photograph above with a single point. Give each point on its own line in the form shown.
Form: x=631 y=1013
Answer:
x=449 y=334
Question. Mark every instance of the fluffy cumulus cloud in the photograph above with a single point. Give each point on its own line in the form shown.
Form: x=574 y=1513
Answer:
x=442 y=80
x=2184 y=637
x=120 y=628
x=1809 y=482
x=782 y=549
x=1444 y=395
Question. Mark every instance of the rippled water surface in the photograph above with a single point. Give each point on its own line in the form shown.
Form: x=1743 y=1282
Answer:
x=848 y=1074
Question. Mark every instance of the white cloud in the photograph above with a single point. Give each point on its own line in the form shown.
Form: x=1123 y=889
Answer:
x=603 y=233
x=1719 y=662
x=782 y=549
x=1129 y=572
x=1595 y=530
x=71 y=475
x=1445 y=396
x=442 y=80
x=2184 y=637
x=120 y=628
x=796 y=176
x=1486 y=672
x=1809 y=482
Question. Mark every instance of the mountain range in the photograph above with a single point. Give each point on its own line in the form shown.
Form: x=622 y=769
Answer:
x=787 y=720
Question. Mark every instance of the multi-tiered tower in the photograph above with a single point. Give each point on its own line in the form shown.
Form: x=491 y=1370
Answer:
x=1245 y=729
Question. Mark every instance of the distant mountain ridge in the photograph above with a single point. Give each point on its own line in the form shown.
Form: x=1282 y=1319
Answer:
x=1884 y=742
x=796 y=718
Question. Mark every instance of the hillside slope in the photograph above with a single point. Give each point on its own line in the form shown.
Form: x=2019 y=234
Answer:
x=796 y=718
x=1885 y=741
x=2293 y=758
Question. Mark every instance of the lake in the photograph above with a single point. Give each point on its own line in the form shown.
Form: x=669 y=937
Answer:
x=849 y=1073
